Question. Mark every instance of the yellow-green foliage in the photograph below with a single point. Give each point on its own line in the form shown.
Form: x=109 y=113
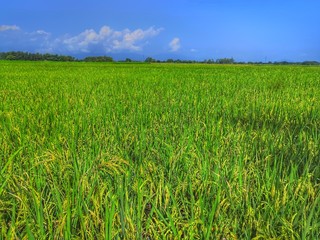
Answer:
x=159 y=151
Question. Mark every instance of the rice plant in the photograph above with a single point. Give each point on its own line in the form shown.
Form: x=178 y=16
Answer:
x=159 y=151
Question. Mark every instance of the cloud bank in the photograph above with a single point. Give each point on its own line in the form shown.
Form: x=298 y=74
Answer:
x=109 y=40
x=105 y=40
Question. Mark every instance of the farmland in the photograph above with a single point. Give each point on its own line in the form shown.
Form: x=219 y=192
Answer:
x=159 y=151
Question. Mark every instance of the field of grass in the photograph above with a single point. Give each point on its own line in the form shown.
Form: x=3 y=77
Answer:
x=159 y=151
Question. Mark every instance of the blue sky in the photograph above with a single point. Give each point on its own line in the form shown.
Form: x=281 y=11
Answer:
x=247 y=30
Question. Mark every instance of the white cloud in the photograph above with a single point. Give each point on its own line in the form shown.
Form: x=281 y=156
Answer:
x=40 y=36
x=9 y=27
x=105 y=31
x=129 y=39
x=175 y=44
x=109 y=39
x=105 y=40
x=43 y=33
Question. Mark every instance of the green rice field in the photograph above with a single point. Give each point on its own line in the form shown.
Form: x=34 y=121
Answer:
x=159 y=151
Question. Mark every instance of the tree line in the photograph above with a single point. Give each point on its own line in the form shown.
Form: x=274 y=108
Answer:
x=26 y=56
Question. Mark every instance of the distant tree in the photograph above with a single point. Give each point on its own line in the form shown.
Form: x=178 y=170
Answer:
x=150 y=60
x=66 y=58
x=281 y=63
x=34 y=56
x=128 y=60
x=10 y=57
x=98 y=59
x=209 y=61
x=225 y=61
x=310 y=63
x=170 y=60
